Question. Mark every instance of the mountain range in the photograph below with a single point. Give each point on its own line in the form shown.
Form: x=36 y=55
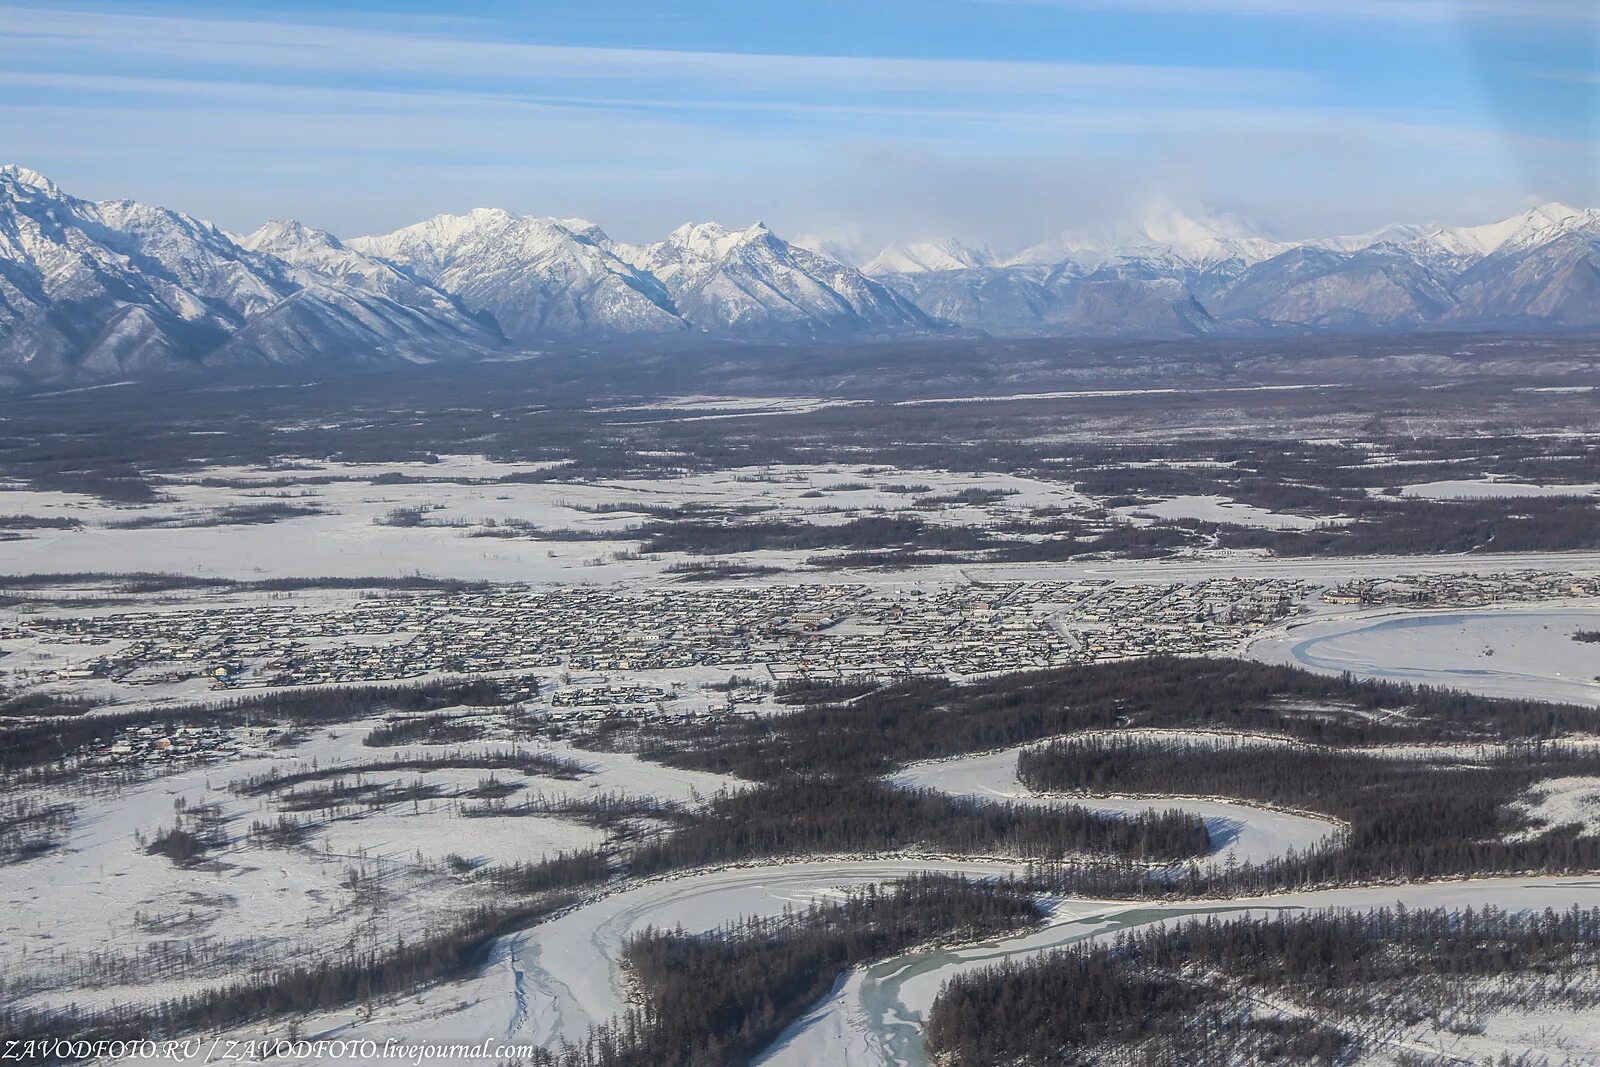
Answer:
x=1178 y=276
x=91 y=290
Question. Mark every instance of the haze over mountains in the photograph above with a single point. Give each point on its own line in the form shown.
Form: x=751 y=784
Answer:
x=90 y=290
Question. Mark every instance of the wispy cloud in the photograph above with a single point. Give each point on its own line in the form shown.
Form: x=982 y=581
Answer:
x=264 y=47
x=1574 y=77
x=140 y=92
x=359 y=126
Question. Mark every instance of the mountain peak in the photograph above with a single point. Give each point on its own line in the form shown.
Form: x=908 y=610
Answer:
x=751 y=280
x=718 y=230
x=27 y=177
x=1162 y=232
x=480 y=216
x=1534 y=226
x=712 y=241
x=585 y=229
x=922 y=256
x=1554 y=212
x=281 y=234
x=434 y=243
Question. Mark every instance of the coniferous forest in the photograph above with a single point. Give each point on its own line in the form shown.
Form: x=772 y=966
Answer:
x=1406 y=818
x=1303 y=988
x=818 y=786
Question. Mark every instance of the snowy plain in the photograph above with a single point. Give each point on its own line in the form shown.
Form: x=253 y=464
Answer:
x=100 y=897
x=1220 y=509
x=1489 y=489
x=353 y=533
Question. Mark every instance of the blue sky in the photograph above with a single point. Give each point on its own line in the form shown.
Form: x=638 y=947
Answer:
x=874 y=120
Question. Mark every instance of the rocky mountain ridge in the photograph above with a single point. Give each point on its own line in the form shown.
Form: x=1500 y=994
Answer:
x=91 y=290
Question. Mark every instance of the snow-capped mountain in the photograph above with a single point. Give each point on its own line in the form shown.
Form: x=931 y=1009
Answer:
x=94 y=289
x=1553 y=279
x=318 y=261
x=1535 y=268
x=752 y=281
x=1463 y=245
x=844 y=246
x=317 y=256
x=1533 y=228
x=917 y=256
x=1538 y=268
x=113 y=287
x=1377 y=287
x=563 y=278
x=77 y=289
x=1165 y=237
x=538 y=277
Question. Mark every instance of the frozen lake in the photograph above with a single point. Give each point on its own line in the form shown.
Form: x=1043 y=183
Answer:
x=1496 y=653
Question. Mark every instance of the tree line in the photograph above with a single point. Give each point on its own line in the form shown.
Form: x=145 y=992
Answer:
x=1406 y=818
x=1184 y=993
x=875 y=732
x=1409 y=526
x=437 y=729
x=810 y=815
x=530 y=763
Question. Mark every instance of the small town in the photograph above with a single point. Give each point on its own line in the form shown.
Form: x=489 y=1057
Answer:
x=784 y=632
x=1462 y=590
x=146 y=745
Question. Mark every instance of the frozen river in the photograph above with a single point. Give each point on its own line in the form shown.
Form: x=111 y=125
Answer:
x=875 y=1017
x=1240 y=832
x=551 y=982
x=1503 y=653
